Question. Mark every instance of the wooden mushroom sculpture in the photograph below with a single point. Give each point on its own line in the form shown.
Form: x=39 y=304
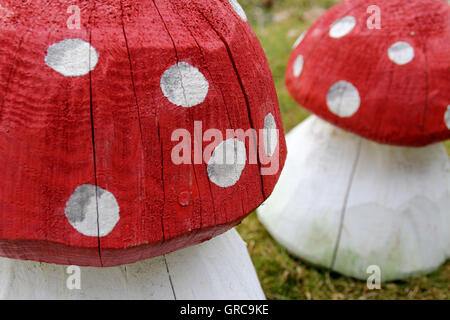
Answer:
x=379 y=193
x=91 y=123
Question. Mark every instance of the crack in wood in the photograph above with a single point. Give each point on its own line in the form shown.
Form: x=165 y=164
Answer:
x=91 y=106
x=344 y=207
x=238 y=77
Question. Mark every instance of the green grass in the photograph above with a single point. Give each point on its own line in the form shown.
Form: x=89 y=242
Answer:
x=283 y=276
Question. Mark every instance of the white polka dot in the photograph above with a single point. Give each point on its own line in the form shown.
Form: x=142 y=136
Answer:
x=92 y=211
x=237 y=7
x=447 y=117
x=343 y=99
x=342 y=27
x=227 y=163
x=298 y=66
x=184 y=85
x=270 y=135
x=299 y=40
x=71 y=57
x=401 y=52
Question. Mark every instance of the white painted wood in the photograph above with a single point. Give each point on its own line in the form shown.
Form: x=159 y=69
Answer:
x=393 y=203
x=217 y=269
x=304 y=210
x=397 y=212
x=33 y=280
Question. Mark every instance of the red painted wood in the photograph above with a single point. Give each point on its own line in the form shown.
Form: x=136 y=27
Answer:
x=112 y=128
x=400 y=104
x=45 y=142
x=250 y=70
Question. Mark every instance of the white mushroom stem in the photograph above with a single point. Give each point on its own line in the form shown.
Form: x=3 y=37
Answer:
x=347 y=203
x=218 y=269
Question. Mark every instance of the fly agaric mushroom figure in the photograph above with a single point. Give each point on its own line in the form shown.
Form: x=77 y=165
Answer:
x=363 y=202
x=89 y=120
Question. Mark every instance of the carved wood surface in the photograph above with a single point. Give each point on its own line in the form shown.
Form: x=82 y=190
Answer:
x=347 y=203
x=388 y=84
x=87 y=116
x=219 y=269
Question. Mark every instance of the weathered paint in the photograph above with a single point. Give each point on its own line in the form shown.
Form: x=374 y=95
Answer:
x=347 y=203
x=217 y=269
x=399 y=71
x=97 y=106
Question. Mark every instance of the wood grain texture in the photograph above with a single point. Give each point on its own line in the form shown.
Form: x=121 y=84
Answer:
x=304 y=211
x=362 y=203
x=45 y=138
x=219 y=269
x=109 y=131
x=399 y=104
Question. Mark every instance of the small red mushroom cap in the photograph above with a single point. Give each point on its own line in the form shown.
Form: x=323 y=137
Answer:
x=380 y=69
x=90 y=121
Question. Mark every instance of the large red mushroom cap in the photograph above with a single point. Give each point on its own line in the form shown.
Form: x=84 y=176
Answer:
x=88 y=116
x=389 y=84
